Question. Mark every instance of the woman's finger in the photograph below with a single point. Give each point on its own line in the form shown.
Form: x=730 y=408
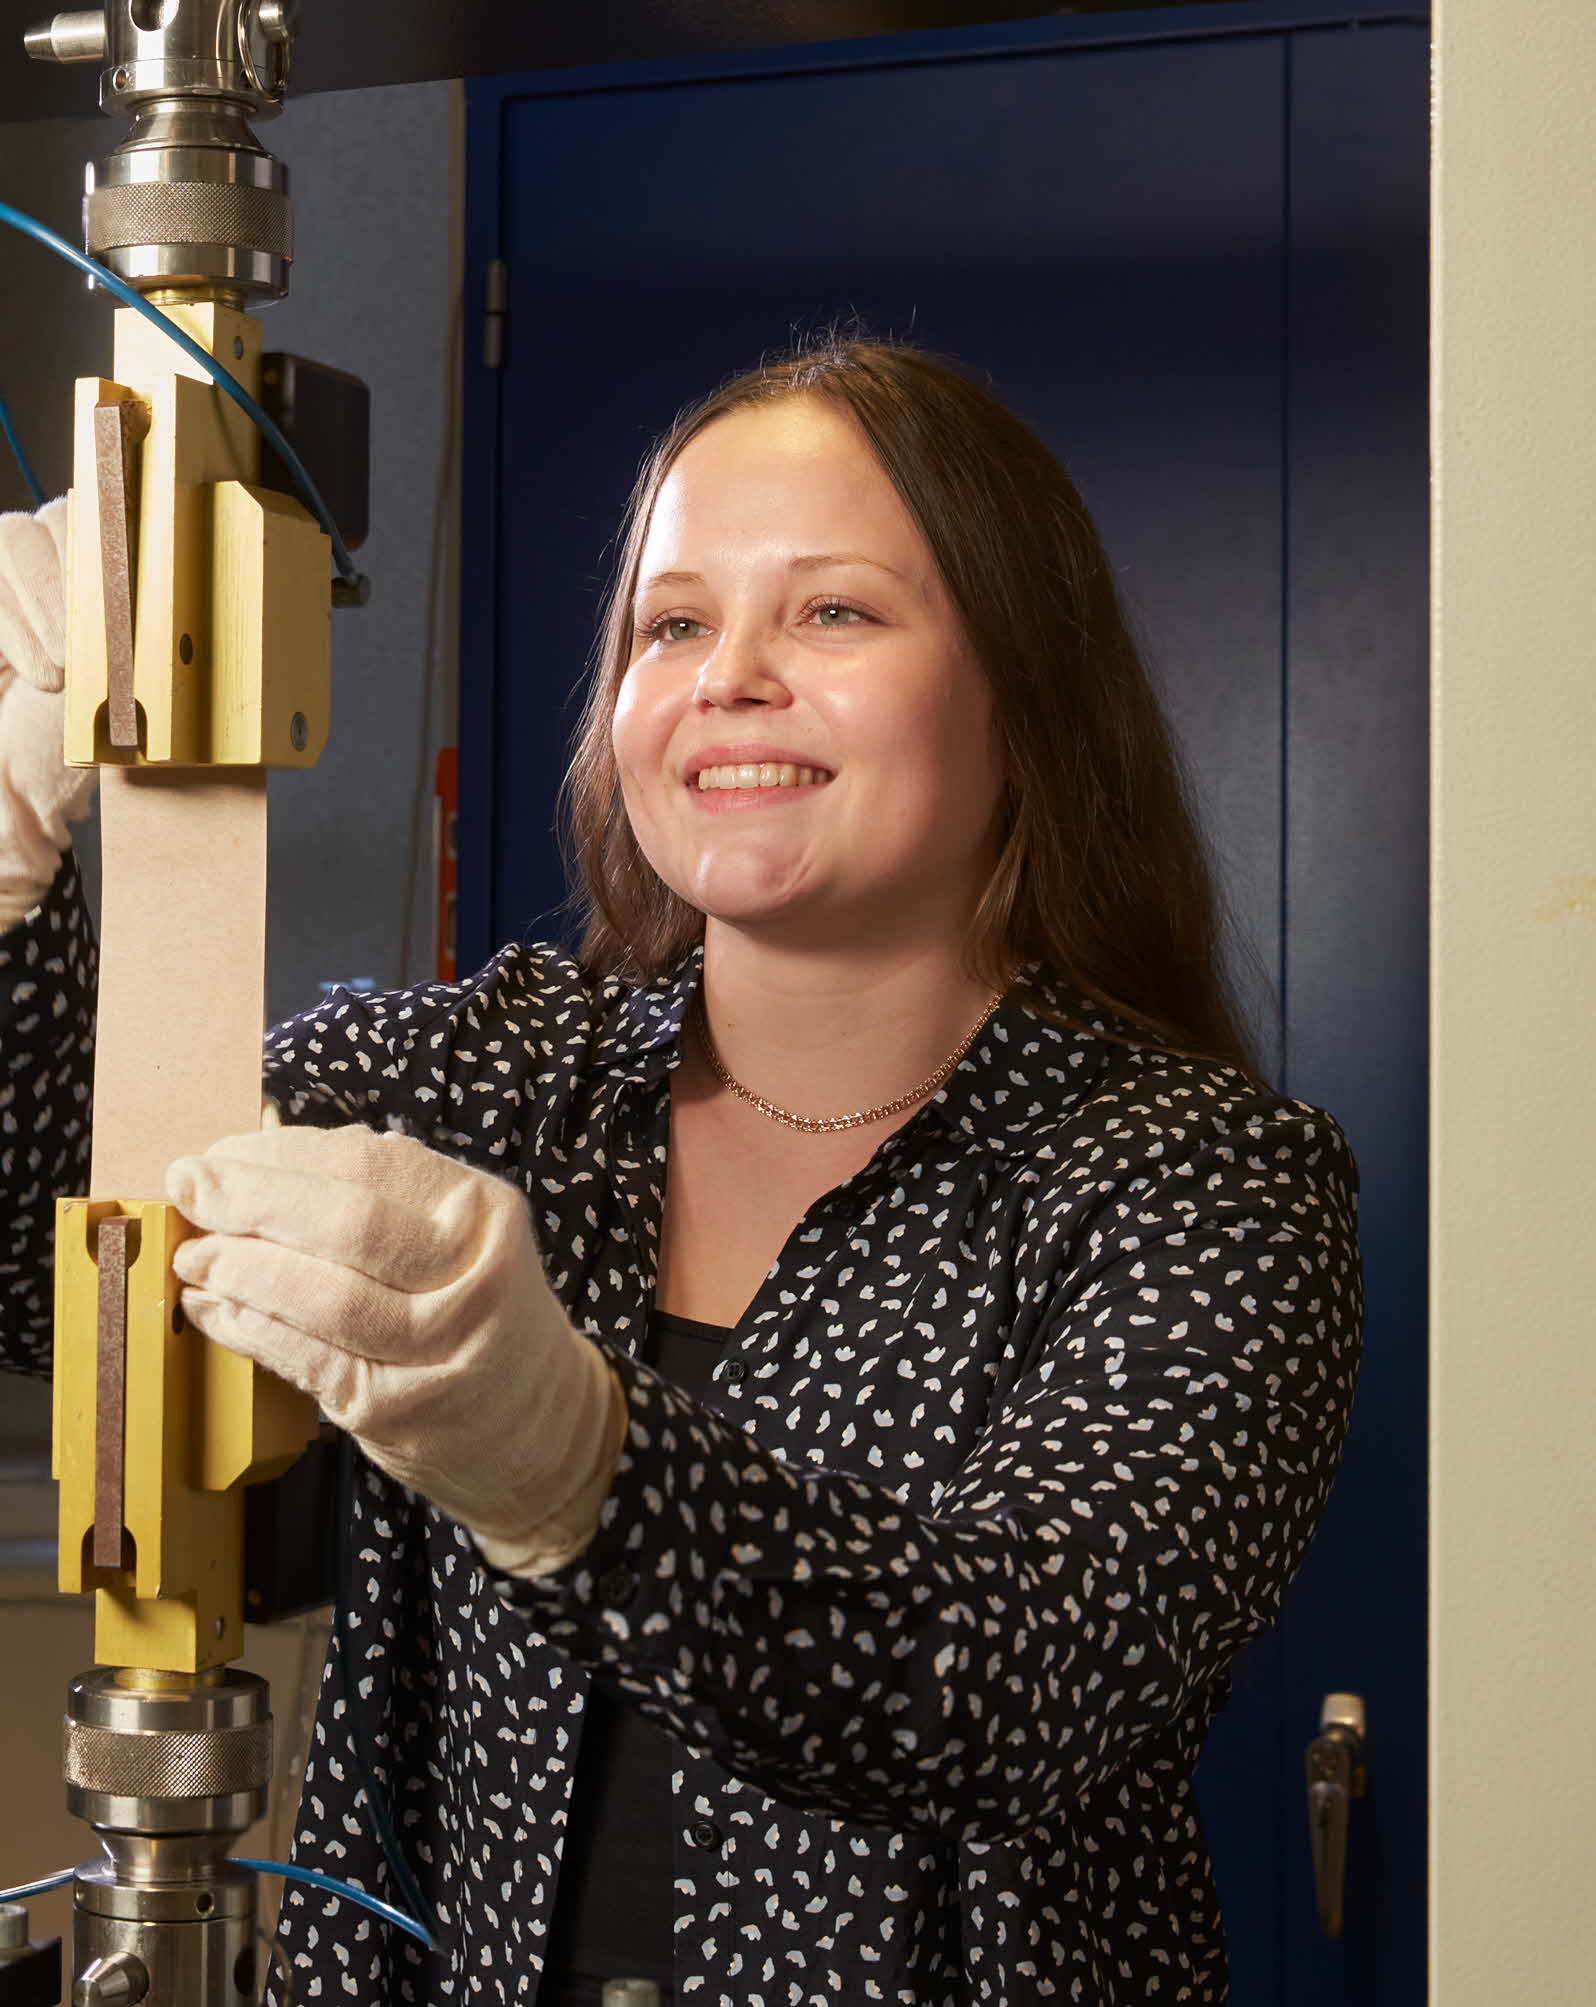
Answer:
x=321 y=1300
x=332 y=1219
x=381 y=1158
x=340 y=1384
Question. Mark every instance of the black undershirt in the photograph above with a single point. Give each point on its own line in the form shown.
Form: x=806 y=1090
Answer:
x=614 y=1911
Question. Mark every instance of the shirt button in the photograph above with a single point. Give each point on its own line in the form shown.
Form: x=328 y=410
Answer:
x=617 y=1584
x=702 y=1834
x=735 y=1370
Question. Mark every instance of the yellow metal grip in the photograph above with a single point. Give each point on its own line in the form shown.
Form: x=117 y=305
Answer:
x=171 y=1427
x=209 y=607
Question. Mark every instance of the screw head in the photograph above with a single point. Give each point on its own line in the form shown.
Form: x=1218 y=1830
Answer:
x=238 y=348
x=278 y=19
x=299 y=731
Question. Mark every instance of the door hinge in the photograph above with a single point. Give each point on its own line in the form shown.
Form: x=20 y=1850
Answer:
x=495 y=312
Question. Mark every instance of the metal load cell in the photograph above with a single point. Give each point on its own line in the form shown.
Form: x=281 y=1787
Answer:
x=169 y=1769
x=191 y=197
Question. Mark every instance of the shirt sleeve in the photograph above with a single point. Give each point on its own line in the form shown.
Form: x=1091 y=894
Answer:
x=337 y=1063
x=404 y=1059
x=48 y=966
x=1130 y=1517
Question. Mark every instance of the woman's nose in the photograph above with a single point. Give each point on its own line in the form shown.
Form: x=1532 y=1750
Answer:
x=739 y=670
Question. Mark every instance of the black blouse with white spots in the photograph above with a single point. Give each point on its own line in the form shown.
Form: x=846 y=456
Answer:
x=933 y=1586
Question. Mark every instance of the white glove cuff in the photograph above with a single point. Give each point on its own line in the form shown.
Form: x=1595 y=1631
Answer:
x=564 y=1534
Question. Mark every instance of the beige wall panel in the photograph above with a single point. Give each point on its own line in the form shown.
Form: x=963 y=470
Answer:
x=1513 y=1110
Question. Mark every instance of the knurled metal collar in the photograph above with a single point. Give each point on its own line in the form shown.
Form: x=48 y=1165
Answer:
x=200 y=1738
x=167 y=1763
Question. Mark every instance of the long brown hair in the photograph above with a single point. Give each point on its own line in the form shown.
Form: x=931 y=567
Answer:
x=1102 y=876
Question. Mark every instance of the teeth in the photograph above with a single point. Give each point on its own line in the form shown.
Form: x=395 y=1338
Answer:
x=767 y=774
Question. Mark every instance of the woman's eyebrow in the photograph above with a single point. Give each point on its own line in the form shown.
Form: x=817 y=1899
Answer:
x=810 y=561
x=818 y=559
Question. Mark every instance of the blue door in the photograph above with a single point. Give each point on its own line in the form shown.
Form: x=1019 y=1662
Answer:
x=1191 y=249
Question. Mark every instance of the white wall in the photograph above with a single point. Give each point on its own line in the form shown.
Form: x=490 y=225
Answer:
x=1513 y=1008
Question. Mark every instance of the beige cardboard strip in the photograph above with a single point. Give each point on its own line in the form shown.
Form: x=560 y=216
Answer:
x=182 y=969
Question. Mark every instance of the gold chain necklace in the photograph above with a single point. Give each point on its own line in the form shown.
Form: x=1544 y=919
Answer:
x=814 y=1125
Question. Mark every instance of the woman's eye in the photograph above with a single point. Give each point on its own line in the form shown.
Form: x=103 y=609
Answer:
x=837 y=613
x=669 y=627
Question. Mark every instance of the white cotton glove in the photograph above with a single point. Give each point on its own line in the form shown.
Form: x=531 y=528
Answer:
x=39 y=794
x=405 y=1292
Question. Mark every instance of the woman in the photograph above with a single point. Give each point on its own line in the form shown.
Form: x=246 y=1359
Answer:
x=928 y=1345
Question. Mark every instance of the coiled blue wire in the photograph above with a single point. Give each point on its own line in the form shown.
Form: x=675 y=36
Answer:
x=20 y=457
x=30 y=226
x=288 y=1868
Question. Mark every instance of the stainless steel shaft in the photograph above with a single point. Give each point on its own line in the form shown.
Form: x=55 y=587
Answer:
x=169 y=1768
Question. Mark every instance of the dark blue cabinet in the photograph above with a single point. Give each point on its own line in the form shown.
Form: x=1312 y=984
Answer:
x=1191 y=248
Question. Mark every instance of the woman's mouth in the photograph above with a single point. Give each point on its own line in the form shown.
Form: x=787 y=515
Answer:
x=726 y=789
x=763 y=774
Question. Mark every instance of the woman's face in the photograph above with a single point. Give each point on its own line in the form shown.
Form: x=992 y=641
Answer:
x=789 y=616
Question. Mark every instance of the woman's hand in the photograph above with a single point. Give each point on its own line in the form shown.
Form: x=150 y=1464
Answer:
x=39 y=793
x=405 y=1292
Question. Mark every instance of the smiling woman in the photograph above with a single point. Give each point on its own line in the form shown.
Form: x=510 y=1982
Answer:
x=843 y=656
x=862 y=553
x=853 y=1354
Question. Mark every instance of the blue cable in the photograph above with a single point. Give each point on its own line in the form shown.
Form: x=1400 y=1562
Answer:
x=30 y=226
x=37 y=1888
x=20 y=457
x=318 y=1880
x=287 y=1868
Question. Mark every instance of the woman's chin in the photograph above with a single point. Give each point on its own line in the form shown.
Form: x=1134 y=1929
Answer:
x=749 y=914
x=749 y=906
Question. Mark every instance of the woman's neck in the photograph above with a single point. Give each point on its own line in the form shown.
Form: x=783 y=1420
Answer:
x=823 y=1034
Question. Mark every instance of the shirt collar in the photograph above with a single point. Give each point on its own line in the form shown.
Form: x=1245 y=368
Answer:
x=1019 y=1080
